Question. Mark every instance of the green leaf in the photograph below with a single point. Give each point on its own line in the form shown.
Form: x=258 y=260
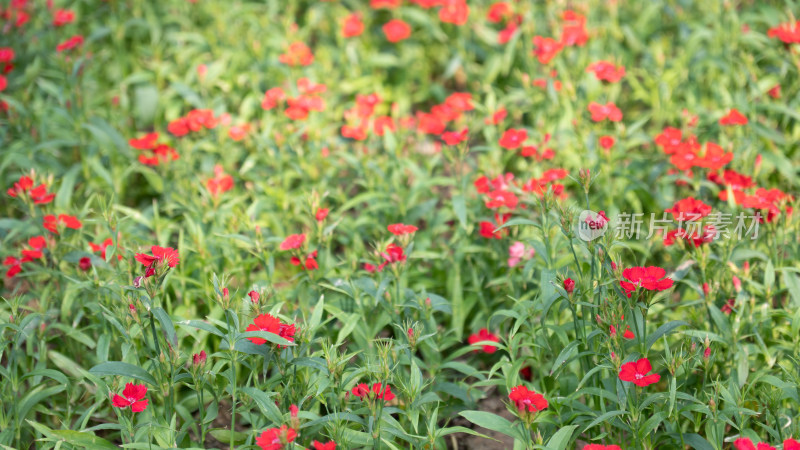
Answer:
x=697 y=442
x=663 y=330
x=166 y=325
x=561 y=439
x=200 y=325
x=265 y=403
x=270 y=337
x=78 y=438
x=490 y=421
x=460 y=208
x=122 y=369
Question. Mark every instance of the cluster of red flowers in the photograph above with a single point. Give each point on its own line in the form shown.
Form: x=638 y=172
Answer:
x=271 y=324
x=52 y=223
x=194 y=121
x=360 y=117
x=770 y=200
x=747 y=444
x=447 y=112
x=503 y=11
x=24 y=188
x=297 y=108
x=160 y=255
x=34 y=251
x=153 y=152
x=363 y=392
x=573 y=33
x=295 y=242
x=513 y=139
x=16 y=14
x=687 y=153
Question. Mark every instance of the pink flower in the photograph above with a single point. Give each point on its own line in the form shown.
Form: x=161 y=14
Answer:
x=293 y=242
x=517 y=252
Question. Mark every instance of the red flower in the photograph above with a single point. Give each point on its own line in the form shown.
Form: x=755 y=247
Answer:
x=734 y=117
x=499 y=11
x=637 y=373
x=455 y=137
x=775 y=91
x=747 y=444
x=606 y=71
x=513 y=138
x=601 y=447
x=14 y=266
x=254 y=296
x=6 y=54
x=23 y=185
x=394 y=253
x=569 y=285
x=310 y=262
x=276 y=438
x=146 y=142
x=326 y=446
x=198 y=359
x=239 y=132
x=787 y=32
x=650 y=278
x=69 y=44
x=791 y=444
x=396 y=30
x=166 y=254
x=574 y=29
x=38 y=194
x=628 y=334
x=220 y=183
x=362 y=391
x=353 y=26
x=51 y=223
x=546 y=48
x=608 y=111
x=399 y=229
x=272 y=98
x=85 y=263
x=293 y=242
x=606 y=142
x=388 y=4
x=496 y=117
x=298 y=54
x=133 y=396
x=321 y=214
x=270 y=324
x=526 y=400
x=63 y=17
x=689 y=209
x=482 y=336
x=454 y=11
